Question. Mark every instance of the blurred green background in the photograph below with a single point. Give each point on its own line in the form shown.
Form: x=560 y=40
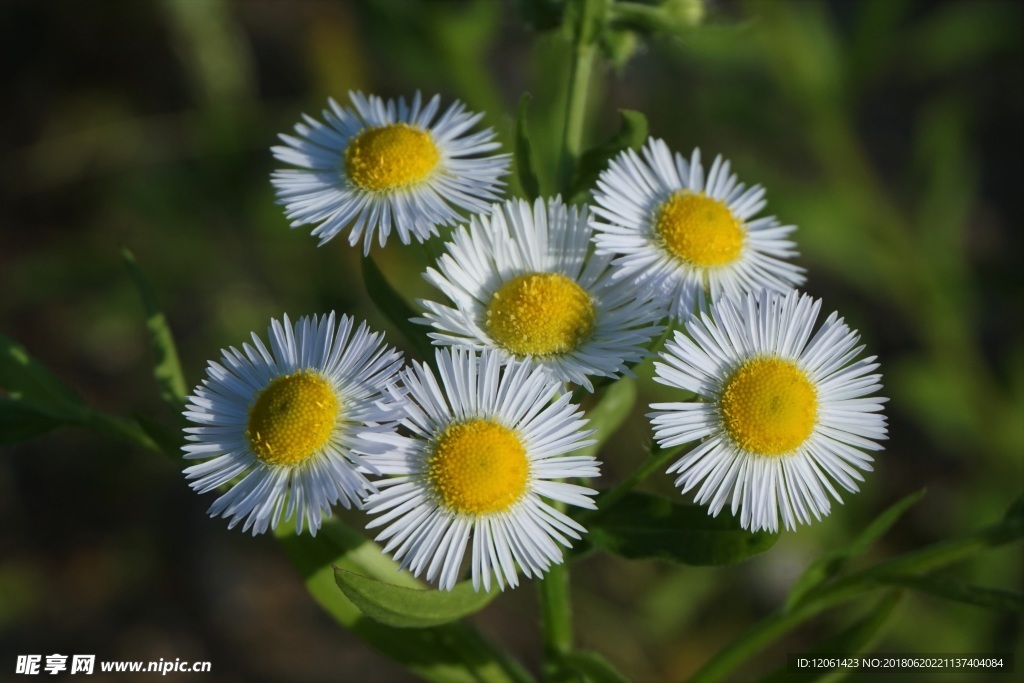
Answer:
x=889 y=131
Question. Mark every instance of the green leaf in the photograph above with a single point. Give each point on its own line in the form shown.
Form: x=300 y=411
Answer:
x=863 y=634
x=612 y=409
x=994 y=599
x=524 y=155
x=631 y=135
x=22 y=376
x=395 y=308
x=452 y=653
x=591 y=668
x=857 y=638
x=166 y=366
x=403 y=607
x=167 y=440
x=123 y=429
x=1008 y=530
x=643 y=526
x=21 y=421
x=832 y=563
x=37 y=402
x=854 y=585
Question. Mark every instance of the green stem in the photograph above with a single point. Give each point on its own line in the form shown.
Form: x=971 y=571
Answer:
x=556 y=617
x=589 y=21
x=826 y=596
x=656 y=459
x=555 y=609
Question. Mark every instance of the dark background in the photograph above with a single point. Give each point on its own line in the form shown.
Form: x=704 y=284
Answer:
x=888 y=131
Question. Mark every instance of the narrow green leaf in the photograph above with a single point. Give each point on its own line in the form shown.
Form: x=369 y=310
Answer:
x=832 y=563
x=120 y=428
x=524 y=154
x=945 y=552
x=23 y=376
x=858 y=637
x=643 y=526
x=404 y=607
x=395 y=308
x=611 y=410
x=455 y=653
x=168 y=440
x=591 y=668
x=855 y=584
x=631 y=135
x=166 y=366
x=21 y=421
x=37 y=402
x=884 y=522
x=994 y=599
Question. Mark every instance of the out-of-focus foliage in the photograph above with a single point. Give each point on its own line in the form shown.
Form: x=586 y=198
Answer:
x=887 y=130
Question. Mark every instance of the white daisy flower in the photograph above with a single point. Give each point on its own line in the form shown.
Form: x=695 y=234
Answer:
x=688 y=238
x=525 y=281
x=384 y=164
x=287 y=424
x=484 y=446
x=783 y=415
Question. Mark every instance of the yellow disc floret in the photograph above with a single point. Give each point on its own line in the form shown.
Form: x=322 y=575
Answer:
x=390 y=157
x=540 y=314
x=769 y=406
x=478 y=467
x=292 y=418
x=699 y=230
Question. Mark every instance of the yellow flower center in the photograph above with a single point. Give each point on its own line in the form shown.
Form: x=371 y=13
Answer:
x=769 y=406
x=699 y=230
x=540 y=314
x=391 y=157
x=478 y=467
x=292 y=418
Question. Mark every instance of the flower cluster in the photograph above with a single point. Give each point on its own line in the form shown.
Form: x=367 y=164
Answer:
x=474 y=451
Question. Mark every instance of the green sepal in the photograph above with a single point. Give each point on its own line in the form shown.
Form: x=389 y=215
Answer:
x=644 y=526
x=404 y=607
x=631 y=135
x=525 y=171
x=166 y=365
